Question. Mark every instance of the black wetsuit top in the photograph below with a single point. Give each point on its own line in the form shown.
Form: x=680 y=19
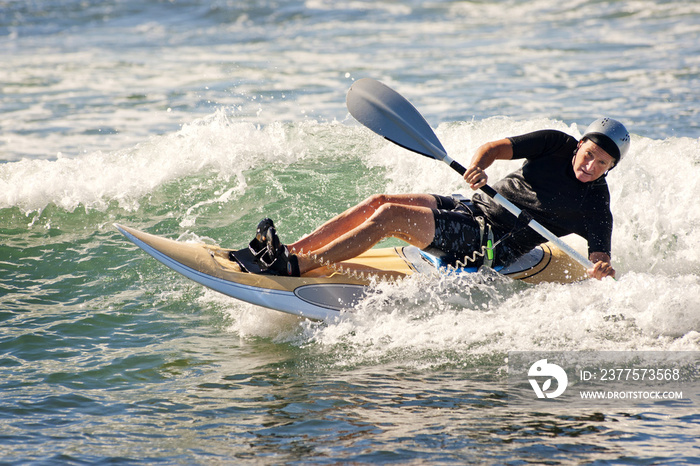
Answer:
x=546 y=187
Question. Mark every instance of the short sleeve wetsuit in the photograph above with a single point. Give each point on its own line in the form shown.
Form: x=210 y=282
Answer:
x=546 y=188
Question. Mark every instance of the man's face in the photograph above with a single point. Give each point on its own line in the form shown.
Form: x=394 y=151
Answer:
x=591 y=162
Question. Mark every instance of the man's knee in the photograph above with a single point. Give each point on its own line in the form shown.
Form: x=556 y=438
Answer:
x=409 y=223
x=391 y=215
x=397 y=204
x=376 y=201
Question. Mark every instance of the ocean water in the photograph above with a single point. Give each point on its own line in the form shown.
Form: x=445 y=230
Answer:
x=193 y=119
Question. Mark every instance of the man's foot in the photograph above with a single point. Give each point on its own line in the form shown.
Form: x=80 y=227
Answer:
x=270 y=254
x=258 y=246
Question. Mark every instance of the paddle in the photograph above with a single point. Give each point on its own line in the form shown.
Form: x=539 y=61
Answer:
x=390 y=115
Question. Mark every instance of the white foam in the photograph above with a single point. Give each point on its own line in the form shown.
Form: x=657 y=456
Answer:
x=93 y=181
x=431 y=321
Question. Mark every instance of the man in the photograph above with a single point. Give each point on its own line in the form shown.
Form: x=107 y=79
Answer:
x=561 y=184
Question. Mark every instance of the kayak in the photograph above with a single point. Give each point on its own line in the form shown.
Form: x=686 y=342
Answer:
x=326 y=291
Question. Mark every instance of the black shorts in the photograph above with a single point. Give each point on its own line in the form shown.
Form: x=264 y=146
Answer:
x=458 y=233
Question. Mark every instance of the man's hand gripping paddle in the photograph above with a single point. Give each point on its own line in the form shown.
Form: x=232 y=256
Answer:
x=390 y=115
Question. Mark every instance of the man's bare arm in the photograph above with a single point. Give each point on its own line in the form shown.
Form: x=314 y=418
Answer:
x=484 y=157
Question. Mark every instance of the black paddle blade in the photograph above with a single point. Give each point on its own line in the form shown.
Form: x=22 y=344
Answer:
x=390 y=115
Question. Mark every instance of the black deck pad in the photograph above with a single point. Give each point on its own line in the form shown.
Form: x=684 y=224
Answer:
x=246 y=259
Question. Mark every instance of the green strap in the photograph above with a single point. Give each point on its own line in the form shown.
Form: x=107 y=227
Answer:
x=486 y=241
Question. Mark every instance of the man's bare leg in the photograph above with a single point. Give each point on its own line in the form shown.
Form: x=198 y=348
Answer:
x=354 y=217
x=411 y=221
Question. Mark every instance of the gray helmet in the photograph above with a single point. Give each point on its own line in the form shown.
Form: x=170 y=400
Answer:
x=610 y=135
